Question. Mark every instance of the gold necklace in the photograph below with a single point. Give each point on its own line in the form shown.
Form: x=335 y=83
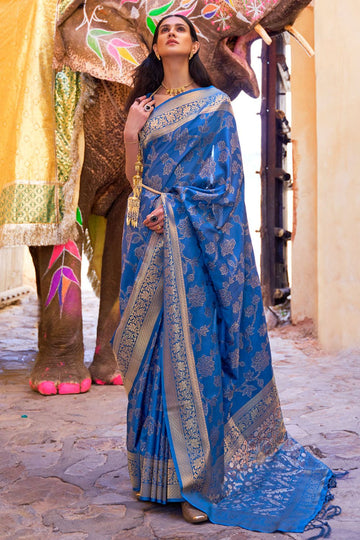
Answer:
x=176 y=91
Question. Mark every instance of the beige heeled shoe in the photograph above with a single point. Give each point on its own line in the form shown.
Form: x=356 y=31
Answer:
x=192 y=514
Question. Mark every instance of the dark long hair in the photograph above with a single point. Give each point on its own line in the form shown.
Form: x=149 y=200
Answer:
x=149 y=74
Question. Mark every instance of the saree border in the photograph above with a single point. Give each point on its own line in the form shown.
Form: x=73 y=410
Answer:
x=141 y=472
x=141 y=313
x=169 y=115
x=241 y=426
x=187 y=428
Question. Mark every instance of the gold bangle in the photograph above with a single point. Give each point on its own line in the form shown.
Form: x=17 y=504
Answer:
x=131 y=142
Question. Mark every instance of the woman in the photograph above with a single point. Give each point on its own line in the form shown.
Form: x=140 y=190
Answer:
x=204 y=421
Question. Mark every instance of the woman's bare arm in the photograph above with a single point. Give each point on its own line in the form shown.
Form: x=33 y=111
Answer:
x=135 y=121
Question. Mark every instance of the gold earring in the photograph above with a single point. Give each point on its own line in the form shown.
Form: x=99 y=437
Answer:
x=158 y=56
x=191 y=55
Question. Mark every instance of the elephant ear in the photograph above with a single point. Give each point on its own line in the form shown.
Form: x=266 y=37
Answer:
x=98 y=40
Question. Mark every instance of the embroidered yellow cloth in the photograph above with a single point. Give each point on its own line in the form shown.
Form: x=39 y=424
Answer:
x=39 y=161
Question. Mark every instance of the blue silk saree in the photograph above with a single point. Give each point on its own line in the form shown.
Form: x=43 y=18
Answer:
x=204 y=419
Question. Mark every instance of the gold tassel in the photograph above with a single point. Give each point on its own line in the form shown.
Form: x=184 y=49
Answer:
x=134 y=201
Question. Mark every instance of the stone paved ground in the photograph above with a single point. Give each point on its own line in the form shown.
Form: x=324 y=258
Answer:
x=63 y=472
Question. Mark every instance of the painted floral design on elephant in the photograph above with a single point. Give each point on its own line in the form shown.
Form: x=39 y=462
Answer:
x=64 y=276
x=98 y=38
x=255 y=9
x=217 y=12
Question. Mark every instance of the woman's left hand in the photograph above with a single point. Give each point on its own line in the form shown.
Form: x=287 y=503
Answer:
x=155 y=220
x=137 y=117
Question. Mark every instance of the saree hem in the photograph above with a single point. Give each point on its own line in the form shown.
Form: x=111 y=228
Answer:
x=300 y=528
x=146 y=499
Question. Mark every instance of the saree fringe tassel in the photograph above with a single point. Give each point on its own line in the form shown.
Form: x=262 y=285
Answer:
x=328 y=511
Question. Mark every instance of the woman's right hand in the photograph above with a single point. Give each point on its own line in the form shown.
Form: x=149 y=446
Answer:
x=155 y=220
x=137 y=117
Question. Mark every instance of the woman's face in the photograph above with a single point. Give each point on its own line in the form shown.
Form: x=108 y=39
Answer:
x=174 y=39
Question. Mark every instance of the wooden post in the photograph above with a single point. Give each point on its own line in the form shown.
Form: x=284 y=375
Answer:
x=274 y=179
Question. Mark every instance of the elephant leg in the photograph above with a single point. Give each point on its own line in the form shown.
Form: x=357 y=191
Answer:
x=104 y=368
x=59 y=366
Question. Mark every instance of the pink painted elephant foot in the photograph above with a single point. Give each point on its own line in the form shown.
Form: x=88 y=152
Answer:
x=104 y=368
x=59 y=377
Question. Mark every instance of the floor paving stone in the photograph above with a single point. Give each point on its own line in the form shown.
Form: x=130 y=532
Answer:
x=63 y=465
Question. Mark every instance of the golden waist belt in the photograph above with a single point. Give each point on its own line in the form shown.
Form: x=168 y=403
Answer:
x=151 y=189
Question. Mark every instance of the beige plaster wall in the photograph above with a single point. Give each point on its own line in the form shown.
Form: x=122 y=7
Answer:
x=303 y=123
x=16 y=268
x=337 y=45
x=328 y=198
x=11 y=268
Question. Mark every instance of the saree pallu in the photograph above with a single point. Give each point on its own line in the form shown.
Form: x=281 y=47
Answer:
x=204 y=419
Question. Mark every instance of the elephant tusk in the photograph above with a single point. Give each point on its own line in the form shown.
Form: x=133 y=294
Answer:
x=263 y=34
x=300 y=39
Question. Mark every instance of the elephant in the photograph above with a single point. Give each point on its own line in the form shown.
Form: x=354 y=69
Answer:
x=106 y=39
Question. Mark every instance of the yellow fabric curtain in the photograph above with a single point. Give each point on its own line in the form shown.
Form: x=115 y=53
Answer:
x=40 y=139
